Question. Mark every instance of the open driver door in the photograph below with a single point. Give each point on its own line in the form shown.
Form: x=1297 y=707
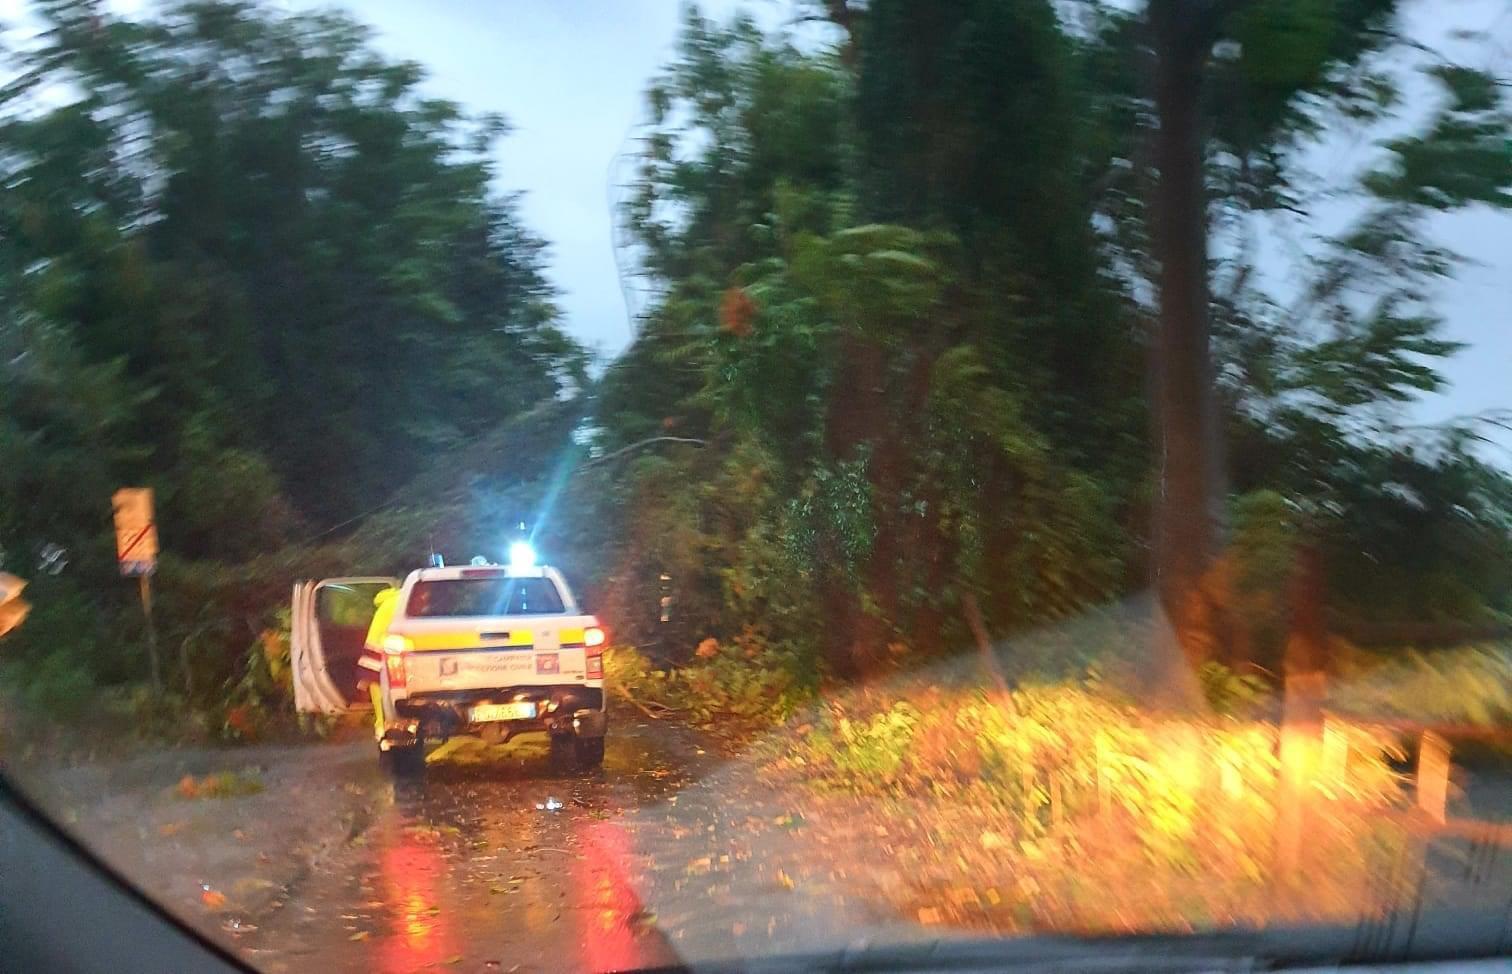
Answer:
x=328 y=625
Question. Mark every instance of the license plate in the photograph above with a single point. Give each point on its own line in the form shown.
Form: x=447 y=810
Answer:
x=484 y=713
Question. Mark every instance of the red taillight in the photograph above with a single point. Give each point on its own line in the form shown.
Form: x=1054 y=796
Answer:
x=395 y=663
x=593 y=652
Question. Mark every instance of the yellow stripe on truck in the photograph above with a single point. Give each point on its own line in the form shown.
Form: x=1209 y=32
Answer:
x=470 y=639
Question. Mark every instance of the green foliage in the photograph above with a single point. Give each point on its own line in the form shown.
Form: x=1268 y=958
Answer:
x=260 y=250
x=1267 y=532
x=1420 y=536
x=900 y=345
x=1463 y=158
x=872 y=749
x=53 y=687
x=969 y=118
x=897 y=348
x=748 y=679
x=66 y=427
x=1285 y=43
x=66 y=631
x=246 y=261
x=1229 y=693
x=743 y=686
x=262 y=698
x=1057 y=759
x=1472 y=685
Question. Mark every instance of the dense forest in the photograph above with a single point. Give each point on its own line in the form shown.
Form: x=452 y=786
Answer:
x=949 y=339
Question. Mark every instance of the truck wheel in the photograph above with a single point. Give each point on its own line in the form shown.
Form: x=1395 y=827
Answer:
x=563 y=754
x=589 y=752
x=404 y=762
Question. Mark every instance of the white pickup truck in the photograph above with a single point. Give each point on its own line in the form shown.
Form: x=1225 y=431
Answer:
x=481 y=650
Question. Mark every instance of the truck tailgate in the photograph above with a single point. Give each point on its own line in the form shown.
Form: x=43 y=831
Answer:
x=489 y=668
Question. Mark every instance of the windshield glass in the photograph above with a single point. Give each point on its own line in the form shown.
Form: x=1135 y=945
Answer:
x=1010 y=469
x=484 y=597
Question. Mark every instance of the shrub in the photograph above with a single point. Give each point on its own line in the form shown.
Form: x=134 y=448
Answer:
x=872 y=749
x=1229 y=693
x=53 y=686
x=1051 y=755
x=1472 y=685
x=746 y=680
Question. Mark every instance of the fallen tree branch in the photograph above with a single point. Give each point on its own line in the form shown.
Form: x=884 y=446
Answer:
x=641 y=706
x=646 y=442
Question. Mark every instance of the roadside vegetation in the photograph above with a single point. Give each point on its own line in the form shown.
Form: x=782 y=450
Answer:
x=901 y=375
x=870 y=417
x=1066 y=807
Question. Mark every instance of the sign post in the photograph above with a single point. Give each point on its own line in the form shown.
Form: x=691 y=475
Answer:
x=136 y=553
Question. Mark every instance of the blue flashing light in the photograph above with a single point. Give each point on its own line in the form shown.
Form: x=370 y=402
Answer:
x=522 y=555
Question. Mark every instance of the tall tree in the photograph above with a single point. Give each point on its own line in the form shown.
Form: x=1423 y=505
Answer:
x=306 y=256
x=246 y=261
x=857 y=353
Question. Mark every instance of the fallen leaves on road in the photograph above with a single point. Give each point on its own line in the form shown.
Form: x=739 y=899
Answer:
x=360 y=935
x=213 y=899
x=221 y=784
x=252 y=884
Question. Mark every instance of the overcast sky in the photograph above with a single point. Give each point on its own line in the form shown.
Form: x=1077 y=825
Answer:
x=569 y=75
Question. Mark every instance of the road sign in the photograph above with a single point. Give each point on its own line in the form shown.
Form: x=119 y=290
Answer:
x=136 y=533
x=136 y=553
x=13 y=608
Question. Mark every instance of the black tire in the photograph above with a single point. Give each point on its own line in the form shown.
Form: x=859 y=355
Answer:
x=563 y=754
x=404 y=762
x=589 y=752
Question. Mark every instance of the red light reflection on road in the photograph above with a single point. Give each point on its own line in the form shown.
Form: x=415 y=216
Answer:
x=608 y=904
x=418 y=933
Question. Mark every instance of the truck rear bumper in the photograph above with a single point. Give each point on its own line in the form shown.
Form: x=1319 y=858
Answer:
x=565 y=709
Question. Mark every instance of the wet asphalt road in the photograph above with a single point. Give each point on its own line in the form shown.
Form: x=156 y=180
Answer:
x=496 y=861
x=672 y=853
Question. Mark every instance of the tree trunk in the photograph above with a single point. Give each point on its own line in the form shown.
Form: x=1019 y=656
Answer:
x=856 y=417
x=1187 y=504
x=1307 y=635
x=841 y=14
